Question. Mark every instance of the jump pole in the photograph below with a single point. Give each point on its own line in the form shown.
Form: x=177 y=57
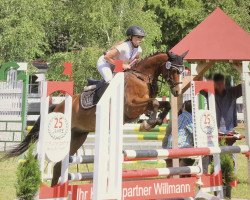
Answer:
x=77 y=191
x=142 y=173
x=136 y=155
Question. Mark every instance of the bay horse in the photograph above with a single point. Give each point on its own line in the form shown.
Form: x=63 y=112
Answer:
x=140 y=92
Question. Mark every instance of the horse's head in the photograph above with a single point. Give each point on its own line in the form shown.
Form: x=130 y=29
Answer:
x=169 y=65
x=172 y=72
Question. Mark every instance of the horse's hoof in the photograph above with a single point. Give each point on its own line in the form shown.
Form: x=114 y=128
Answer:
x=144 y=126
x=151 y=122
x=159 y=121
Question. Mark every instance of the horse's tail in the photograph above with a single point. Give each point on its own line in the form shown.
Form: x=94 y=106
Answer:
x=32 y=137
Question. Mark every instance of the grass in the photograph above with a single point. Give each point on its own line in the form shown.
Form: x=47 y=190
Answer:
x=8 y=176
x=8 y=179
x=243 y=188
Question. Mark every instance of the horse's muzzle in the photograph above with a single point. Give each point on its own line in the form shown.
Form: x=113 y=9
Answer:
x=176 y=91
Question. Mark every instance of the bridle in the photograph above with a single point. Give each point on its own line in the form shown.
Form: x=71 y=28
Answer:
x=170 y=66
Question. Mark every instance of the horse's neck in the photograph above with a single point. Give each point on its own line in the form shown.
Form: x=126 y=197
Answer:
x=151 y=65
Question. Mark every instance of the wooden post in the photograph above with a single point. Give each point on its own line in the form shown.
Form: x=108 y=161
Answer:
x=176 y=103
x=246 y=99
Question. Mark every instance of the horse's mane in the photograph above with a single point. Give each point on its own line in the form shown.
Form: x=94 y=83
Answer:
x=149 y=56
x=153 y=54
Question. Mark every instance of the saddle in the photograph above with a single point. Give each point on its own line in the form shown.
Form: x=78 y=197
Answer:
x=92 y=93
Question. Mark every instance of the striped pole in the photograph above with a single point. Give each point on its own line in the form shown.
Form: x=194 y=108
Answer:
x=132 y=128
x=153 y=162
x=184 y=152
x=141 y=173
x=148 y=136
x=136 y=128
x=131 y=155
x=88 y=159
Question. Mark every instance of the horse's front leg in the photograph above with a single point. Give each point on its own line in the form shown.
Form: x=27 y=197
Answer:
x=152 y=118
x=165 y=106
x=146 y=125
x=155 y=106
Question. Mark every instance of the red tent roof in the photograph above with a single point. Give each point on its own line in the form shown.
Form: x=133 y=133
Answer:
x=218 y=37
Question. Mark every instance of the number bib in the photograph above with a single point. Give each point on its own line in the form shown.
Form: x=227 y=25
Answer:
x=57 y=141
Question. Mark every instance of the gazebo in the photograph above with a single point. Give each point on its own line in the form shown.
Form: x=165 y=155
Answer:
x=217 y=38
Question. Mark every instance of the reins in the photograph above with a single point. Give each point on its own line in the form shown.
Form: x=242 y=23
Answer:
x=135 y=72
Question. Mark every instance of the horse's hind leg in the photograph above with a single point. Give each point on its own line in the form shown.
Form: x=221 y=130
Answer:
x=77 y=139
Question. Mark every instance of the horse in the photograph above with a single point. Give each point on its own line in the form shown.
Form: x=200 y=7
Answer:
x=140 y=90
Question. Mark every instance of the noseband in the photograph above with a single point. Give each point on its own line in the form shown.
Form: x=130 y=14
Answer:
x=170 y=66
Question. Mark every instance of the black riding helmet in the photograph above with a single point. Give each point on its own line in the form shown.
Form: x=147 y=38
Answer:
x=135 y=30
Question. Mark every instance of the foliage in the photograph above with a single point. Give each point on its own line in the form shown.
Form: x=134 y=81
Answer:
x=238 y=10
x=177 y=18
x=224 y=68
x=32 y=69
x=23 y=29
x=83 y=66
x=104 y=25
x=53 y=29
x=227 y=167
x=28 y=177
x=164 y=89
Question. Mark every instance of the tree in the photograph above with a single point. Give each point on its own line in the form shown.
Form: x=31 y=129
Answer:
x=28 y=177
x=92 y=28
x=23 y=29
x=179 y=17
x=238 y=10
x=53 y=29
x=83 y=66
x=102 y=23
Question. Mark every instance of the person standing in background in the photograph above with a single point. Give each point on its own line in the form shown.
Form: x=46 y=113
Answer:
x=225 y=99
x=226 y=113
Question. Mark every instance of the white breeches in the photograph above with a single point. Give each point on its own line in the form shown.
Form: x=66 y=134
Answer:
x=105 y=69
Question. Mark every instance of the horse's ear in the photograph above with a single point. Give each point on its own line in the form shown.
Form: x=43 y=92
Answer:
x=184 y=54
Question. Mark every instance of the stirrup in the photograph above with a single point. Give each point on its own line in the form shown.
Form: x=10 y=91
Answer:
x=88 y=88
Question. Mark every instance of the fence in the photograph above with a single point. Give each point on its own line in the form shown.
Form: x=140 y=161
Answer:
x=13 y=90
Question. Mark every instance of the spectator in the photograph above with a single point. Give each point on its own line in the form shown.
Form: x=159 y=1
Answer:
x=185 y=133
x=225 y=99
x=226 y=114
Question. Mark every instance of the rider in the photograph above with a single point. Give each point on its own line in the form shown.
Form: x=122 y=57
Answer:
x=128 y=51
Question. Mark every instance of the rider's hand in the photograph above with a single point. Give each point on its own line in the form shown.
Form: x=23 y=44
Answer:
x=134 y=62
x=126 y=66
